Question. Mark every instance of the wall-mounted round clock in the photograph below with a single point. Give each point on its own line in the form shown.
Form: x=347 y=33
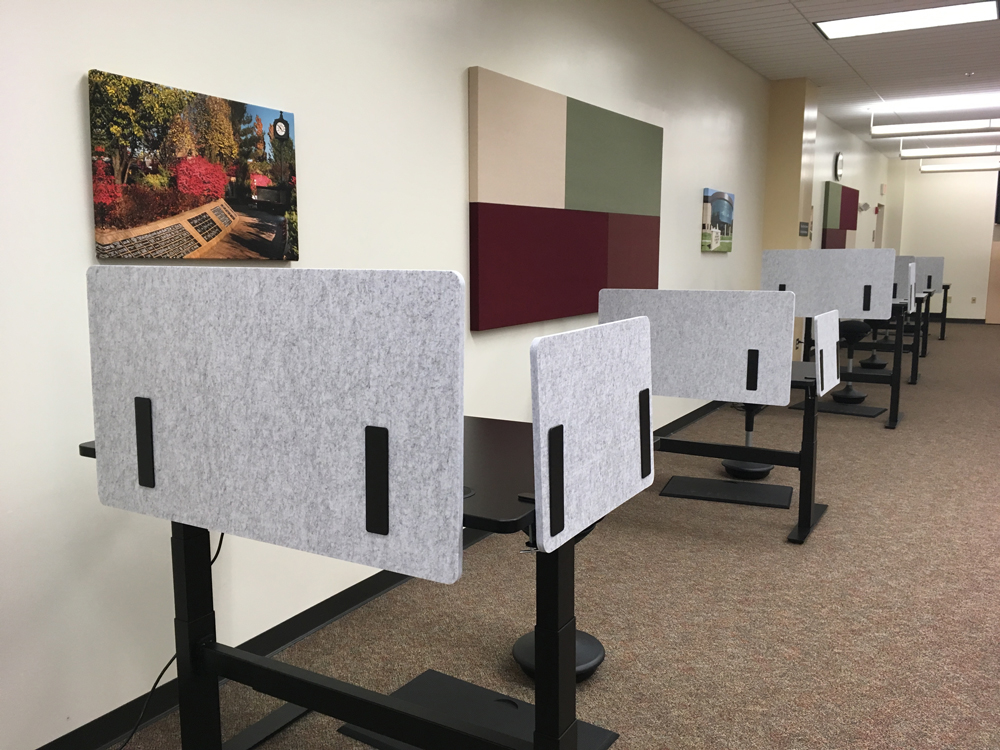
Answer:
x=838 y=166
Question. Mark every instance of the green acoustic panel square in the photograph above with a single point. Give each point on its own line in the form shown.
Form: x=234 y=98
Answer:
x=613 y=162
x=831 y=206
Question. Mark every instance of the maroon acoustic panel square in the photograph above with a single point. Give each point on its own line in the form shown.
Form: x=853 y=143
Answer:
x=530 y=264
x=633 y=251
x=835 y=238
x=849 y=198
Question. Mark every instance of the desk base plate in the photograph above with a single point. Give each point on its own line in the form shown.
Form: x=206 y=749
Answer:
x=851 y=410
x=728 y=491
x=799 y=535
x=472 y=703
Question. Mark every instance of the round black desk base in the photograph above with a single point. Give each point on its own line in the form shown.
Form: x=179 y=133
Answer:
x=589 y=654
x=873 y=362
x=746 y=469
x=849 y=395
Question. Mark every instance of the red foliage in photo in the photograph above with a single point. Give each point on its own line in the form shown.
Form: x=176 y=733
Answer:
x=198 y=176
x=106 y=191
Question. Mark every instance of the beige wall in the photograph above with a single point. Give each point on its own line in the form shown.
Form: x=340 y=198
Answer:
x=379 y=93
x=951 y=214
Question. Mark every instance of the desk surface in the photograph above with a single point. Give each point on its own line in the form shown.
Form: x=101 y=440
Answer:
x=499 y=465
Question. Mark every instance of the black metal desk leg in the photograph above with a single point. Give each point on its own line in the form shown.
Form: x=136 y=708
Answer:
x=194 y=626
x=926 y=325
x=897 y=371
x=555 y=651
x=944 y=310
x=809 y=511
x=915 y=345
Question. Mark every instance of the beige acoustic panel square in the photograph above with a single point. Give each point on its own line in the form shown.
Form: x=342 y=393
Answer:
x=517 y=142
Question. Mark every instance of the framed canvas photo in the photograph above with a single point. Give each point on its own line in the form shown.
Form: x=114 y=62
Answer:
x=178 y=174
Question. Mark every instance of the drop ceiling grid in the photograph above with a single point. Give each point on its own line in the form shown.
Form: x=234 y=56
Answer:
x=776 y=38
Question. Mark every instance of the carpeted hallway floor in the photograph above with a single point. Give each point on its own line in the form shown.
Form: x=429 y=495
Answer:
x=882 y=631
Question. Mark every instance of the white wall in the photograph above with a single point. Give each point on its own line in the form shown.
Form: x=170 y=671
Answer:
x=951 y=214
x=865 y=169
x=378 y=89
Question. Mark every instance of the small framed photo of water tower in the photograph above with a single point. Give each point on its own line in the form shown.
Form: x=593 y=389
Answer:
x=716 y=222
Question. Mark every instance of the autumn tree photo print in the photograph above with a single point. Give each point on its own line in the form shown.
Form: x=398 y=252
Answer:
x=183 y=175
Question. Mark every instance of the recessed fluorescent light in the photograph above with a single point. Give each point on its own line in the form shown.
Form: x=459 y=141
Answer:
x=909 y=19
x=955 y=102
x=978 y=166
x=934 y=128
x=918 y=153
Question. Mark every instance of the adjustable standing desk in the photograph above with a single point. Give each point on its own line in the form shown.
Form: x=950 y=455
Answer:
x=322 y=410
x=908 y=301
x=857 y=283
x=731 y=346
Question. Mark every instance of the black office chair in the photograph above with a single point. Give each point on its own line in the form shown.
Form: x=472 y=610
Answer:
x=852 y=332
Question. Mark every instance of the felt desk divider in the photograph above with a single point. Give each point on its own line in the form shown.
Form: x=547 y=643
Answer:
x=263 y=384
x=857 y=282
x=592 y=425
x=930 y=272
x=905 y=281
x=826 y=332
x=713 y=345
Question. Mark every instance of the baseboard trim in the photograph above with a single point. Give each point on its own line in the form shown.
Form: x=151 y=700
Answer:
x=688 y=419
x=936 y=318
x=111 y=729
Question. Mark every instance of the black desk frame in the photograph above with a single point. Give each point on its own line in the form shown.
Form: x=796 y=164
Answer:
x=893 y=377
x=202 y=662
x=810 y=512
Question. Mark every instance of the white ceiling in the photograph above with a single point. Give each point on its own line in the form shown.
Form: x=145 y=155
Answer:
x=777 y=39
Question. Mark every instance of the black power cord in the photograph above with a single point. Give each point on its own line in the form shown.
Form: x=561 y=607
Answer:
x=163 y=671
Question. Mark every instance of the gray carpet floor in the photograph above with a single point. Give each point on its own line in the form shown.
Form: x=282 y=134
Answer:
x=882 y=631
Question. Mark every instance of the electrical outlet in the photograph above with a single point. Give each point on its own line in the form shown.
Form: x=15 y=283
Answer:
x=973 y=300
x=949 y=299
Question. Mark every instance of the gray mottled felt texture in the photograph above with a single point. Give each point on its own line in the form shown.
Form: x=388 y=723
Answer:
x=700 y=340
x=589 y=381
x=262 y=382
x=905 y=279
x=832 y=279
x=932 y=266
x=826 y=333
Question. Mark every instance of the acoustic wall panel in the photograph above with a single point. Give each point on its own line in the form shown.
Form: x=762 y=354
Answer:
x=826 y=335
x=857 y=282
x=271 y=392
x=517 y=142
x=840 y=215
x=535 y=149
x=592 y=425
x=613 y=162
x=730 y=346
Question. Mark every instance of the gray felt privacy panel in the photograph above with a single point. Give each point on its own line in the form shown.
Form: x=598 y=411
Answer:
x=704 y=341
x=930 y=267
x=905 y=280
x=586 y=388
x=826 y=334
x=833 y=279
x=262 y=384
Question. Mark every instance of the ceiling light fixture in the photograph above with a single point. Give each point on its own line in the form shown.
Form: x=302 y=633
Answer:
x=924 y=153
x=926 y=18
x=934 y=128
x=982 y=166
x=952 y=103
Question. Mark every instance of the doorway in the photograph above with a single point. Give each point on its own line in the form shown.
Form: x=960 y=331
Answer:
x=879 y=221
